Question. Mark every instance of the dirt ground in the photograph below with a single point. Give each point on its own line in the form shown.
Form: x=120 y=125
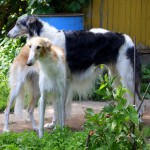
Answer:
x=76 y=122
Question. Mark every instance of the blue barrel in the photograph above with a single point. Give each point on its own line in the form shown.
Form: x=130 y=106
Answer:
x=65 y=21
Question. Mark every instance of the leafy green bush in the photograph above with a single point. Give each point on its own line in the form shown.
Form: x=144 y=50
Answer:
x=9 y=48
x=51 y=6
x=117 y=125
x=103 y=87
x=99 y=92
x=9 y=12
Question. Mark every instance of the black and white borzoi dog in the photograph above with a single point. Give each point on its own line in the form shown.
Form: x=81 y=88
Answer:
x=84 y=50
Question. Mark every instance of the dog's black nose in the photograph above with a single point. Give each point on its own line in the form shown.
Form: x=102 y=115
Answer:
x=29 y=64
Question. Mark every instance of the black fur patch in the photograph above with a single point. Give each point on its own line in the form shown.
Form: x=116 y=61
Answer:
x=84 y=48
x=34 y=26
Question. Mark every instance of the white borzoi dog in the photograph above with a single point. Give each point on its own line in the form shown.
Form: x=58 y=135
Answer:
x=84 y=50
x=51 y=77
x=22 y=80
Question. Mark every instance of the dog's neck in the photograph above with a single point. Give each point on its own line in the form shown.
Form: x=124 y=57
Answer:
x=56 y=36
x=51 y=64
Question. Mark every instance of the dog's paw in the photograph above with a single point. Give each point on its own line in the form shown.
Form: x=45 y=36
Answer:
x=35 y=128
x=49 y=125
x=140 y=119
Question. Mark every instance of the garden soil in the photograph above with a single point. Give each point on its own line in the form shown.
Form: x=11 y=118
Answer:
x=75 y=123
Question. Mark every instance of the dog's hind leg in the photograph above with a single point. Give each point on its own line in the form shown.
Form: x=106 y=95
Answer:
x=35 y=95
x=53 y=123
x=114 y=73
x=60 y=112
x=125 y=70
x=59 y=108
x=129 y=84
x=68 y=104
x=57 y=113
x=62 y=109
x=15 y=90
x=32 y=105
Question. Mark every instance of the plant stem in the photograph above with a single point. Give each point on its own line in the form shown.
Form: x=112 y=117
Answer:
x=143 y=98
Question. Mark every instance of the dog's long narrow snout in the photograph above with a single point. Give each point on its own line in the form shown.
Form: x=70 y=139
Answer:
x=30 y=61
x=12 y=34
x=31 y=58
x=16 y=31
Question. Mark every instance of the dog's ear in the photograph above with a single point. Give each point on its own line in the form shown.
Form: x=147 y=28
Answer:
x=31 y=21
x=34 y=26
x=47 y=46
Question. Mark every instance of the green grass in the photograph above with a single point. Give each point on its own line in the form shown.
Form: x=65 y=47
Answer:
x=58 y=139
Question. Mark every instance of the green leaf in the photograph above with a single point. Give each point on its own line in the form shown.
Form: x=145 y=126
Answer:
x=146 y=132
x=113 y=125
x=133 y=115
x=89 y=112
x=30 y=2
x=101 y=66
x=102 y=86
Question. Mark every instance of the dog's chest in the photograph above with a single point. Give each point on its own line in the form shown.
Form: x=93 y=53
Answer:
x=51 y=77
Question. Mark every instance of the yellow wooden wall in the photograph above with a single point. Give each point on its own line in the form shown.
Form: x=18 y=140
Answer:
x=127 y=16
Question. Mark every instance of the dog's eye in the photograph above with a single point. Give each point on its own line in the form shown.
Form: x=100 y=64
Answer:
x=38 y=47
x=30 y=46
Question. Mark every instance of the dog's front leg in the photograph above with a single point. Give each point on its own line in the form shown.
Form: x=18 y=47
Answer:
x=42 y=104
x=59 y=110
x=64 y=93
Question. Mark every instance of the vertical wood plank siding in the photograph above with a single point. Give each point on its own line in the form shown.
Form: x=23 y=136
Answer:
x=127 y=16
